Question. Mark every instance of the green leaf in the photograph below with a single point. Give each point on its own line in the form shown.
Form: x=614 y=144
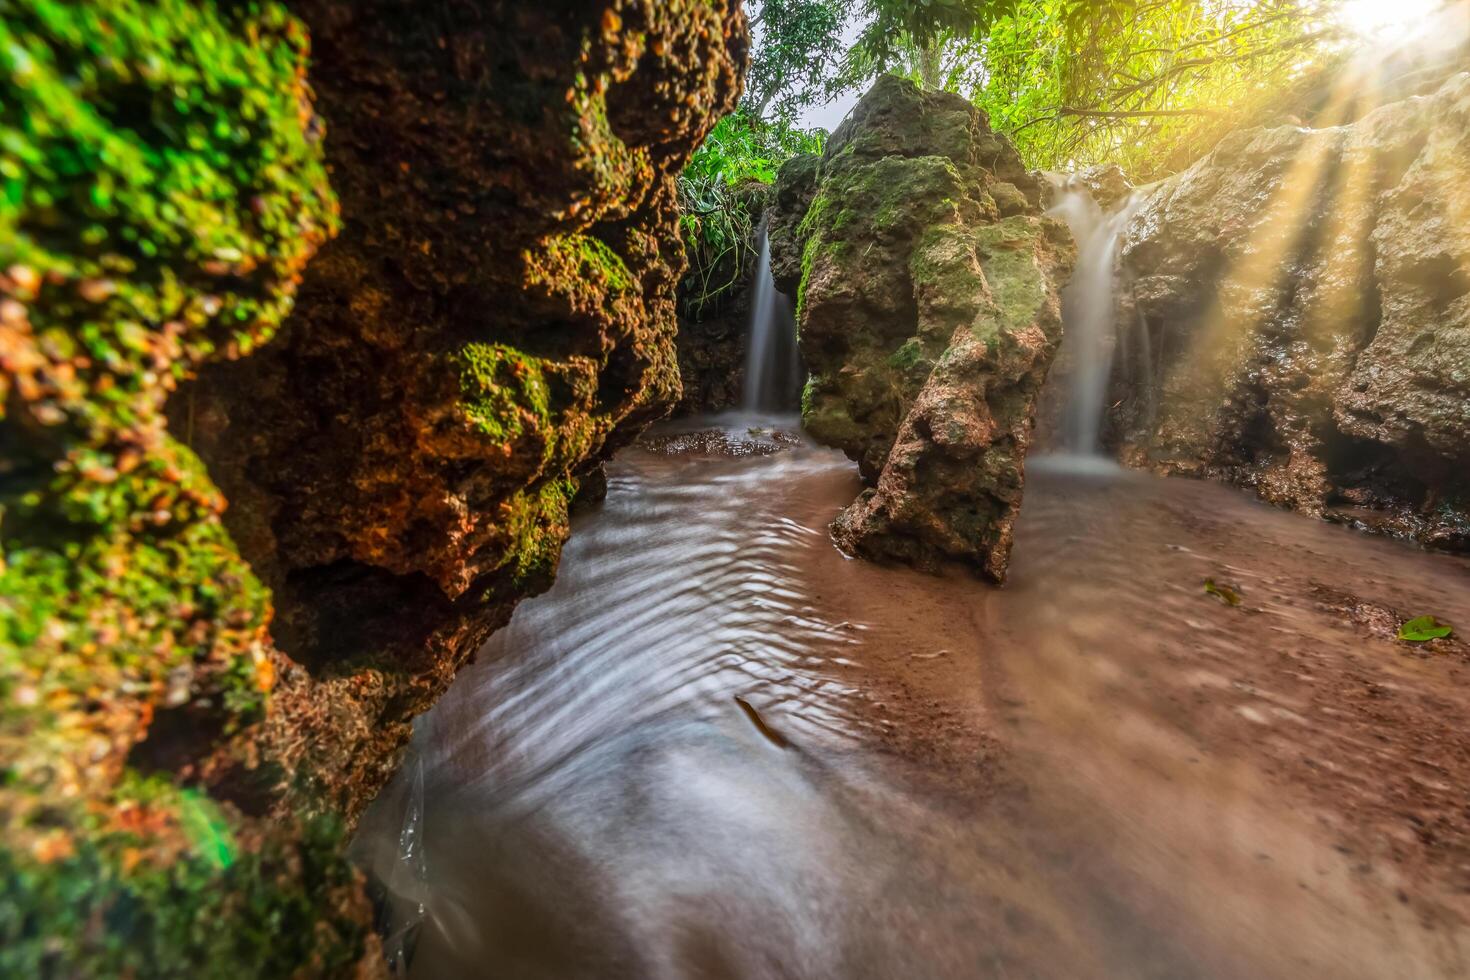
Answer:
x=1423 y=629
x=1224 y=593
x=206 y=828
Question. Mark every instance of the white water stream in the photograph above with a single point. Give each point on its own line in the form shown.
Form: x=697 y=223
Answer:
x=1088 y=311
x=772 y=367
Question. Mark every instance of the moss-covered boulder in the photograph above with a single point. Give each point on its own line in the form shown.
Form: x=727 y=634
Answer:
x=1297 y=308
x=927 y=315
x=163 y=187
x=196 y=697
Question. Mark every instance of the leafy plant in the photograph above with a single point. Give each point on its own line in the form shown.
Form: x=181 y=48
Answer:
x=1422 y=629
x=798 y=51
x=716 y=193
x=895 y=28
x=1147 y=84
x=802 y=57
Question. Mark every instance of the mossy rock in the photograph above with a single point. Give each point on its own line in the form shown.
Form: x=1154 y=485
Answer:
x=163 y=187
x=197 y=700
x=928 y=315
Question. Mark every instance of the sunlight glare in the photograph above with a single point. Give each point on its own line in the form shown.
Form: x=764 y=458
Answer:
x=1387 y=20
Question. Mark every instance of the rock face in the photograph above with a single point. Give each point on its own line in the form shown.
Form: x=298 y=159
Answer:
x=1296 y=319
x=1105 y=183
x=712 y=358
x=928 y=315
x=197 y=696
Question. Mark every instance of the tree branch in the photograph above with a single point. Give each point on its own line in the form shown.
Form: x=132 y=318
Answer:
x=1134 y=114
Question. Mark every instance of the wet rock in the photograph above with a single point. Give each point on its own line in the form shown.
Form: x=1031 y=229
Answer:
x=1296 y=318
x=712 y=360
x=495 y=317
x=796 y=185
x=1105 y=182
x=928 y=315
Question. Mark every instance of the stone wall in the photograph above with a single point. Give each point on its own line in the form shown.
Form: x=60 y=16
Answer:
x=1295 y=318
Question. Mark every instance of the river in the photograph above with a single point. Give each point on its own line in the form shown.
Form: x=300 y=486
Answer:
x=1100 y=770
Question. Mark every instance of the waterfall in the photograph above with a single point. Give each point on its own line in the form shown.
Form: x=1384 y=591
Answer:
x=772 y=366
x=1088 y=311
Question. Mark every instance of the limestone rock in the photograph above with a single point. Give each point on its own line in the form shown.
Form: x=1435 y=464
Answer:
x=796 y=184
x=1296 y=317
x=1105 y=182
x=927 y=315
x=201 y=697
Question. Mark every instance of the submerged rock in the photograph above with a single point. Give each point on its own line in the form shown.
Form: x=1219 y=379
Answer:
x=1295 y=318
x=198 y=699
x=928 y=315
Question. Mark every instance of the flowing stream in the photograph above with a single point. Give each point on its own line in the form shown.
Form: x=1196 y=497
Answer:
x=1098 y=771
x=717 y=748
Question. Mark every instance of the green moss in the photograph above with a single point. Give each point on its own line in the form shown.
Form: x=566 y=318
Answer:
x=890 y=215
x=537 y=524
x=886 y=196
x=1007 y=253
x=809 y=392
x=161 y=188
x=504 y=391
x=145 y=889
x=593 y=258
x=816 y=217
x=907 y=356
x=808 y=260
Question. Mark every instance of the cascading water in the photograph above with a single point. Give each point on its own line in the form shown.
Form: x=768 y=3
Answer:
x=772 y=366
x=1088 y=311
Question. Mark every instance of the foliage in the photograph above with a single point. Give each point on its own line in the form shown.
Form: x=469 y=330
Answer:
x=894 y=25
x=1423 y=629
x=800 y=58
x=743 y=148
x=1146 y=84
x=947 y=63
x=725 y=177
x=800 y=47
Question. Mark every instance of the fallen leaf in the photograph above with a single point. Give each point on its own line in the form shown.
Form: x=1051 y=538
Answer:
x=1422 y=629
x=1224 y=593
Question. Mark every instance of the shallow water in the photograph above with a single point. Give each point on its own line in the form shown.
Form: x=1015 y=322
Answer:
x=1099 y=770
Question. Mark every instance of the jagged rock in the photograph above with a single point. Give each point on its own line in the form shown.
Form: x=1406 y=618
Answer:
x=495 y=318
x=928 y=315
x=1296 y=319
x=712 y=359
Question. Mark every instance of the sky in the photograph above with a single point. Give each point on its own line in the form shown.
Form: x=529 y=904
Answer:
x=830 y=115
x=822 y=116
